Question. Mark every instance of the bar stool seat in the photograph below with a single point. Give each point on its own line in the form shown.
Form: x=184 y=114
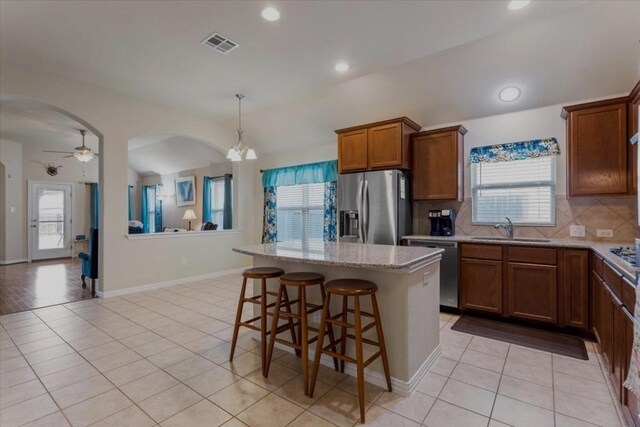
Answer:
x=301 y=281
x=352 y=288
x=262 y=274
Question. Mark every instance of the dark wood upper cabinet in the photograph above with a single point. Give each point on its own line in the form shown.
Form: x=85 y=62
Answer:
x=634 y=104
x=438 y=164
x=352 y=150
x=597 y=148
x=376 y=146
x=575 y=288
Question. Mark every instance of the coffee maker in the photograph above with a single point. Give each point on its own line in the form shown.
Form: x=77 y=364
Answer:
x=443 y=222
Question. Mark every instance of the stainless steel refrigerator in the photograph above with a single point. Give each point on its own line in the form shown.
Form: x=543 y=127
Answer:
x=374 y=207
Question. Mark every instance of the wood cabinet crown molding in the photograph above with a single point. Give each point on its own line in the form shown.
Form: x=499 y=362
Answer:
x=595 y=104
x=457 y=128
x=406 y=120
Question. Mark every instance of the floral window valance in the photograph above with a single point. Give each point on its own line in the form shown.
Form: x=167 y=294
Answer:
x=311 y=173
x=515 y=151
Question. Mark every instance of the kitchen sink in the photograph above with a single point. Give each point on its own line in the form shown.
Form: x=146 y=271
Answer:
x=506 y=239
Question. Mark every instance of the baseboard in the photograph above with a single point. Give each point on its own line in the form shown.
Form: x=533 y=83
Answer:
x=166 y=283
x=13 y=261
x=399 y=386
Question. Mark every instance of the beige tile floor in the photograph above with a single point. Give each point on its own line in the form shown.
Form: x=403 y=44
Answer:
x=160 y=358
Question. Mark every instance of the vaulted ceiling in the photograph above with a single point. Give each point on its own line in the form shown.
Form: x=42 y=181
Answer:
x=436 y=62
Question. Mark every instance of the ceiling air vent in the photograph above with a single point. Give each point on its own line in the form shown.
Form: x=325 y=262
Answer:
x=220 y=43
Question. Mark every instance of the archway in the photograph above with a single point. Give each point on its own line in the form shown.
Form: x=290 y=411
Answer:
x=40 y=135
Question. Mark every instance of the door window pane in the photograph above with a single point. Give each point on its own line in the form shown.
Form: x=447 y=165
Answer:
x=51 y=219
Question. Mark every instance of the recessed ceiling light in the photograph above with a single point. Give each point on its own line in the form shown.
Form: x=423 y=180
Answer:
x=270 y=14
x=518 y=4
x=342 y=67
x=509 y=93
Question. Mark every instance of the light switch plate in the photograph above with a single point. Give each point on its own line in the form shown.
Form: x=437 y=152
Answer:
x=576 y=231
x=604 y=233
x=425 y=279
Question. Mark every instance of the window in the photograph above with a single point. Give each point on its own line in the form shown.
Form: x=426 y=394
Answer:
x=217 y=201
x=300 y=213
x=523 y=190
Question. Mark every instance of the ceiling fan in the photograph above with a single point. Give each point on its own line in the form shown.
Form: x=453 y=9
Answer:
x=83 y=153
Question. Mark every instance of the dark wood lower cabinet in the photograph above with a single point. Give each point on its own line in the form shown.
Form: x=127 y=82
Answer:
x=575 y=288
x=619 y=351
x=532 y=291
x=482 y=289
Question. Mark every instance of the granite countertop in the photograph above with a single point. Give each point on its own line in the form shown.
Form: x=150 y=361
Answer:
x=601 y=248
x=356 y=255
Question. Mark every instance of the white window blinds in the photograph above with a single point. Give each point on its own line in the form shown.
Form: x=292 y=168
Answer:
x=217 y=201
x=523 y=190
x=300 y=213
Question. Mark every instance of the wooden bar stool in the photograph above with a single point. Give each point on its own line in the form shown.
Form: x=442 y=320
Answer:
x=260 y=273
x=300 y=281
x=355 y=288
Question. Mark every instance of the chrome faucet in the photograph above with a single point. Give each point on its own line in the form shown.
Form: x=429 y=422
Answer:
x=508 y=228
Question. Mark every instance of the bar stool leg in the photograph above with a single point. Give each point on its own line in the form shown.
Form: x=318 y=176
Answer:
x=359 y=357
x=304 y=341
x=238 y=319
x=291 y=325
x=274 y=328
x=263 y=326
x=383 y=347
x=332 y=338
x=343 y=331
x=316 y=360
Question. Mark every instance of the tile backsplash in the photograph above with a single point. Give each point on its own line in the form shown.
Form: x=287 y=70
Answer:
x=614 y=213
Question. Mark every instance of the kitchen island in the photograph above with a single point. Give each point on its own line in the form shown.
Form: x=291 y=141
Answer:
x=408 y=280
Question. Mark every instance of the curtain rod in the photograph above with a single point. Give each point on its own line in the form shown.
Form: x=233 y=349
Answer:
x=221 y=176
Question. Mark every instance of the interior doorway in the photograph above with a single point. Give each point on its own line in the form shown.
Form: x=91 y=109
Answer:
x=50 y=220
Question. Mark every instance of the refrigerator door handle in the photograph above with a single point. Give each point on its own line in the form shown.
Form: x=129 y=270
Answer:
x=359 y=200
x=365 y=213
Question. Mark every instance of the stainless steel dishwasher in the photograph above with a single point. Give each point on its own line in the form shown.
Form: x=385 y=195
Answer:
x=448 y=270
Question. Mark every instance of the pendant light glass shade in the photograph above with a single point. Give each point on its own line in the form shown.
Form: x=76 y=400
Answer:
x=240 y=151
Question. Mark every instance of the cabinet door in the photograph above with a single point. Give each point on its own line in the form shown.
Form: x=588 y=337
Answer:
x=481 y=285
x=607 y=325
x=385 y=146
x=597 y=151
x=352 y=151
x=633 y=152
x=532 y=291
x=575 y=278
x=437 y=168
x=596 y=298
x=619 y=350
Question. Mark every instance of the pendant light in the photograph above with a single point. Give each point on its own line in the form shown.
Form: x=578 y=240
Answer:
x=83 y=153
x=240 y=151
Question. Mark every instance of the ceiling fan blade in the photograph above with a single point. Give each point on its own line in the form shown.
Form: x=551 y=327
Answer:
x=60 y=152
x=70 y=155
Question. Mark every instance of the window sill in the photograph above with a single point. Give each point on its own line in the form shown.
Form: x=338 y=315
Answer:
x=173 y=235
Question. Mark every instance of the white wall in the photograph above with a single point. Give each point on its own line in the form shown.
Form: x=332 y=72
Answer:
x=72 y=172
x=13 y=234
x=126 y=263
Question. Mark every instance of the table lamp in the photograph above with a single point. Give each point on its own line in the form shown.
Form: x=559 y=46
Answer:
x=189 y=215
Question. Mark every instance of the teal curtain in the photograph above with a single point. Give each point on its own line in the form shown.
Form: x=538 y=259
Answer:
x=311 y=173
x=129 y=187
x=515 y=151
x=149 y=199
x=227 y=214
x=269 y=228
x=206 y=199
x=94 y=200
x=330 y=212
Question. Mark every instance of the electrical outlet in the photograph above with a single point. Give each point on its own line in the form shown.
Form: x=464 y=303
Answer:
x=183 y=262
x=576 y=231
x=604 y=233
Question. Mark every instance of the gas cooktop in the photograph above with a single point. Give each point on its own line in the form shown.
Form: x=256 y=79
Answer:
x=627 y=253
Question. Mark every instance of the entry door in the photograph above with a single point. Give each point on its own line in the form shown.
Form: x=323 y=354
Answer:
x=49 y=220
